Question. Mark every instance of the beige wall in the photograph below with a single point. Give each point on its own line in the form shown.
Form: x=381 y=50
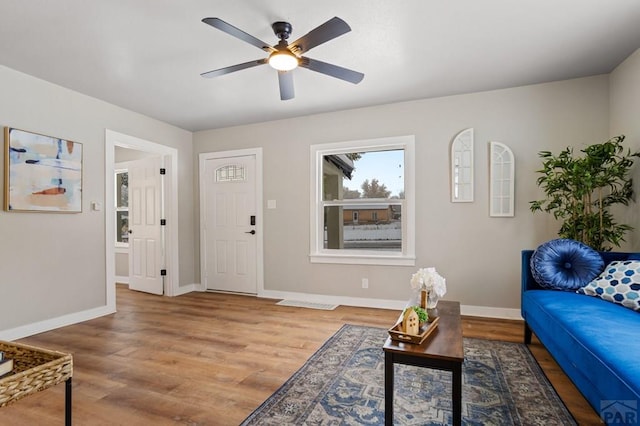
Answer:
x=122 y=264
x=52 y=265
x=479 y=255
x=625 y=109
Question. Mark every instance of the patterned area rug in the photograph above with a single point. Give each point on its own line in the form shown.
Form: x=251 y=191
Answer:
x=343 y=384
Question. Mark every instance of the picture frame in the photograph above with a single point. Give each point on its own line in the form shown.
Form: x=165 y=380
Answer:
x=42 y=173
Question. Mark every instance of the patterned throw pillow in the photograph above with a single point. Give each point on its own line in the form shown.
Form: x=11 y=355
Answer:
x=619 y=283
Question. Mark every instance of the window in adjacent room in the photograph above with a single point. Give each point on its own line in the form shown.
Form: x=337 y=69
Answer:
x=363 y=202
x=122 y=208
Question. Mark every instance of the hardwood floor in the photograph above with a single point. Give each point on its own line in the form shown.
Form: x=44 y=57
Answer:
x=209 y=359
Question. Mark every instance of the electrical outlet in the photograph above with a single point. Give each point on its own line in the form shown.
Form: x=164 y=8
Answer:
x=365 y=283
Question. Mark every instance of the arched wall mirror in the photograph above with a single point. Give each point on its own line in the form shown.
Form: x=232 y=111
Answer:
x=462 y=167
x=501 y=180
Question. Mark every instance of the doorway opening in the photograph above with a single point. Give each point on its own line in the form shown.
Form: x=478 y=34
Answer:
x=132 y=146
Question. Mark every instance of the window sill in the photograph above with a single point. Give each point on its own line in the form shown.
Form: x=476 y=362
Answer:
x=363 y=259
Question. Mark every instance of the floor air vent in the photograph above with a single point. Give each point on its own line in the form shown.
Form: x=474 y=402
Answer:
x=310 y=305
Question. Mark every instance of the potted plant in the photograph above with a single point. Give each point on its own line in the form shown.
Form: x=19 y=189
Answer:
x=581 y=189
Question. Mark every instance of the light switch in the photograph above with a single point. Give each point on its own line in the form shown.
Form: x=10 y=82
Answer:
x=271 y=204
x=96 y=206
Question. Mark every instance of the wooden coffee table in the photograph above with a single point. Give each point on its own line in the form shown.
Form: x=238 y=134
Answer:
x=442 y=350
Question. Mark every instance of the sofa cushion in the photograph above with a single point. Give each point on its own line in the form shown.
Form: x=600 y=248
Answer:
x=594 y=341
x=564 y=264
x=618 y=283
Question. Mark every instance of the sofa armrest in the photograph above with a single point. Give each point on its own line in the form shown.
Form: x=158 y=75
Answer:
x=527 y=280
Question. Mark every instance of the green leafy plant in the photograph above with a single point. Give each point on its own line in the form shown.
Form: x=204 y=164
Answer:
x=580 y=191
x=423 y=316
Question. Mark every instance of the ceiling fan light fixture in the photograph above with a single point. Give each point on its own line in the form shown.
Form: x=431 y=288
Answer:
x=283 y=60
x=284 y=57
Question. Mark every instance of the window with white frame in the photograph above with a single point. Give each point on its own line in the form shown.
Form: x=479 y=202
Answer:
x=363 y=202
x=122 y=208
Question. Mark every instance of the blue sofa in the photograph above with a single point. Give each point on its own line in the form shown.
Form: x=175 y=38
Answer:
x=595 y=342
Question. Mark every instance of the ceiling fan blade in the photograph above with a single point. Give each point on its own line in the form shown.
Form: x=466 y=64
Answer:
x=238 y=33
x=332 y=70
x=234 y=68
x=285 y=79
x=331 y=29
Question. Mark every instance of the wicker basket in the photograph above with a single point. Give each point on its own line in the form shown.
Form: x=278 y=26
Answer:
x=34 y=369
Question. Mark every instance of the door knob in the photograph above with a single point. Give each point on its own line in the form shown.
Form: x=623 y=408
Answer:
x=252 y=232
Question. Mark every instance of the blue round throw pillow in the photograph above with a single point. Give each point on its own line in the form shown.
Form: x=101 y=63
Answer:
x=564 y=264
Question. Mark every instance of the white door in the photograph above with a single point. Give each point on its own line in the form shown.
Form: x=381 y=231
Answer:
x=146 y=248
x=230 y=242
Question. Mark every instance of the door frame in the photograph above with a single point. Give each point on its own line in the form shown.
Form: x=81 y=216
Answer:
x=202 y=158
x=170 y=205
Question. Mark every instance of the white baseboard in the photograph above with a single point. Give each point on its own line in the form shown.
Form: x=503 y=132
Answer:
x=122 y=280
x=490 y=312
x=50 y=324
x=181 y=290
x=470 y=310
x=187 y=289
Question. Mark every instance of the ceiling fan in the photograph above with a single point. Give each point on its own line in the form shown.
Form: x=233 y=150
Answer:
x=285 y=57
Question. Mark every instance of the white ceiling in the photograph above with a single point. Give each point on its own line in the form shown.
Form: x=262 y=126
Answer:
x=147 y=55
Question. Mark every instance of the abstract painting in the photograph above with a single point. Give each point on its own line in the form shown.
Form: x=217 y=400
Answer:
x=42 y=173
